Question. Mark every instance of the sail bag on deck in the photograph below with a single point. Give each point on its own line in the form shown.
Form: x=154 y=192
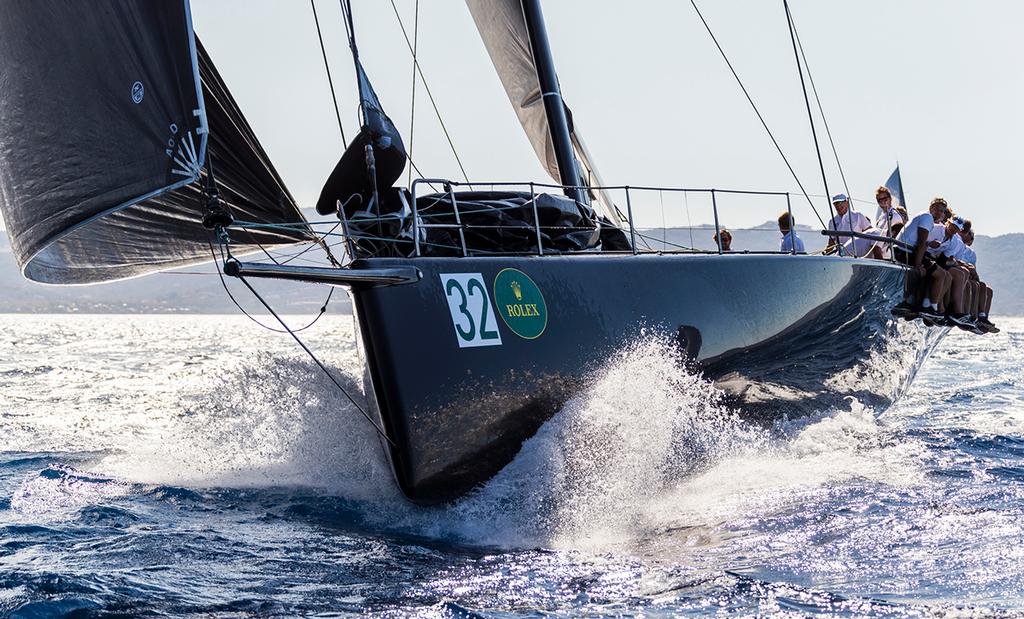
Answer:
x=108 y=112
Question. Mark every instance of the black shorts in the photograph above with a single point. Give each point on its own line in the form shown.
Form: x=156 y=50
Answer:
x=903 y=257
x=907 y=258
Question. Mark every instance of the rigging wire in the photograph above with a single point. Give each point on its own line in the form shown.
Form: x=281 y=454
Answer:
x=320 y=364
x=224 y=284
x=689 y=222
x=821 y=109
x=664 y=228
x=316 y=242
x=810 y=115
x=291 y=332
x=327 y=67
x=758 y=112
x=412 y=105
x=426 y=87
x=323 y=238
x=350 y=32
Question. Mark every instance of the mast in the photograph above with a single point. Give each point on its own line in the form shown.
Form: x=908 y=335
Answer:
x=554 y=107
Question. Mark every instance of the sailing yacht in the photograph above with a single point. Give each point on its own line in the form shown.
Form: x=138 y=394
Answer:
x=480 y=312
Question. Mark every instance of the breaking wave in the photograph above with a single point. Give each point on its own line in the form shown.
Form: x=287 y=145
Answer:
x=648 y=447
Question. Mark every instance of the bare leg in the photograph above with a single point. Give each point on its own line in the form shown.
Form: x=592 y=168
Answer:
x=943 y=289
x=958 y=281
x=974 y=290
x=938 y=285
x=986 y=304
x=876 y=253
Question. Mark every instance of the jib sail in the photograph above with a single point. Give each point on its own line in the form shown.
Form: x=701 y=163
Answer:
x=108 y=112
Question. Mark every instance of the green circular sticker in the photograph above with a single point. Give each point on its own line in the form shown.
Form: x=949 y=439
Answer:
x=520 y=303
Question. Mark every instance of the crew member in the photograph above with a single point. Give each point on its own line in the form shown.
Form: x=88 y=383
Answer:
x=895 y=216
x=723 y=240
x=926 y=281
x=981 y=301
x=791 y=242
x=848 y=220
x=953 y=303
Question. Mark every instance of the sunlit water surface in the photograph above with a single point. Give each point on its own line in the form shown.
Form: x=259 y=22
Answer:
x=198 y=465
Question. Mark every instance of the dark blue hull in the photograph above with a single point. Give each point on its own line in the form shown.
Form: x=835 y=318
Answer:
x=469 y=361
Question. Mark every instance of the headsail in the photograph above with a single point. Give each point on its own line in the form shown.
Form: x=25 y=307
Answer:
x=107 y=110
x=503 y=30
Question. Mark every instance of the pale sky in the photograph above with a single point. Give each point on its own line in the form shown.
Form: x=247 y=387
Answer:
x=932 y=83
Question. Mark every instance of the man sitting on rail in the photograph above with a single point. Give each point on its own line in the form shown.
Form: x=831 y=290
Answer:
x=848 y=220
x=980 y=292
x=926 y=280
x=791 y=243
x=946 y=252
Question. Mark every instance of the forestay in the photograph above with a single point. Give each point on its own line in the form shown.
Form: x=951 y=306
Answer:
x=503 y=30
x=107 y=111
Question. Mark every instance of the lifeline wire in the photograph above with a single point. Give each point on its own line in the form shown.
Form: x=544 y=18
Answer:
x=758 y=112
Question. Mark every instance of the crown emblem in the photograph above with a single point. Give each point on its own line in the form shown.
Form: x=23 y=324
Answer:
x=517 y=290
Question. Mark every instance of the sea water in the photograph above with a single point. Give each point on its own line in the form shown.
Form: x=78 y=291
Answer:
x=185 y=465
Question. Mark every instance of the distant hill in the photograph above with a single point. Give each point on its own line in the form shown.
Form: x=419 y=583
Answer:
x=172 y=292
x=997 y=265
x=177 y=292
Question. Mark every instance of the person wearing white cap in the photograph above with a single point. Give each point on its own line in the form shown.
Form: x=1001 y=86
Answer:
x=848 y=220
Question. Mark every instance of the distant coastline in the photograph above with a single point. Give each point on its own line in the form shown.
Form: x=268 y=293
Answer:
x=198 y=290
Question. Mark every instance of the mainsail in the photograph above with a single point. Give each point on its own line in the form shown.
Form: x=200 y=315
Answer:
x=503 y=30
x=108 y=111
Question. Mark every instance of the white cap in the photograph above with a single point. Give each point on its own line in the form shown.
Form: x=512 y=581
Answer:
x=958 y=222
x=839 y=197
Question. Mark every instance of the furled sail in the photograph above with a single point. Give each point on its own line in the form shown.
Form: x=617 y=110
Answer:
x=503 y=30
x=108 y=111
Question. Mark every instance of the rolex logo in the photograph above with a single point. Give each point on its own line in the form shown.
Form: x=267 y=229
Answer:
x=517 y=290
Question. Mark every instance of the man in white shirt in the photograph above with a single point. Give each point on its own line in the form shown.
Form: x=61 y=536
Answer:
x=927 y=281
x=980 y=293
x=969 y=256
x=848 y=220
x=791 y=243
x=945 y=251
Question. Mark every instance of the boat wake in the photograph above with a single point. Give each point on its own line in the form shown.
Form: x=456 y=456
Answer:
x=649 y=448
x=648 y=486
